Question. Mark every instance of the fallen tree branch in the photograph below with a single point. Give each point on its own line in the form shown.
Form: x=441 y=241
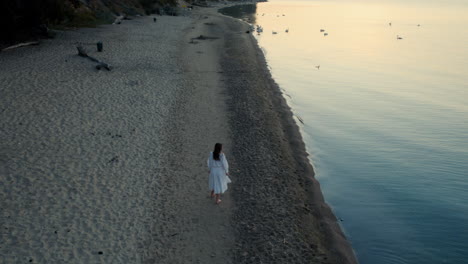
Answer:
x=21 y=45
x=118 y=20
x=82 y=52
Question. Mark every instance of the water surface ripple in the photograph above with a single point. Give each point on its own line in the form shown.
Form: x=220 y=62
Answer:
x=385 y=119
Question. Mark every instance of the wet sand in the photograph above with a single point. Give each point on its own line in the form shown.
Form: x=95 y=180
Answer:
x=110 y=167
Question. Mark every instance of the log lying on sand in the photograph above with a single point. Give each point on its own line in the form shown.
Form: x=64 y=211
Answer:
x=118 y=20
x=201 y=37
x=21 y=45
x=82 y=52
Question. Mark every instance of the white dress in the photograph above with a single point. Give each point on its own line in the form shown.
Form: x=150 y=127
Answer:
x=218 y=180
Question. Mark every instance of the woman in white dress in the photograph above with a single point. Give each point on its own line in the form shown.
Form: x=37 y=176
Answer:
x=219 y=172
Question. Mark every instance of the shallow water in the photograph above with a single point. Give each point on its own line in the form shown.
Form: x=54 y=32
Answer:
x=385 y=119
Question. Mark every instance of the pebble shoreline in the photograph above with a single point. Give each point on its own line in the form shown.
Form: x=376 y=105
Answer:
x=280 y=214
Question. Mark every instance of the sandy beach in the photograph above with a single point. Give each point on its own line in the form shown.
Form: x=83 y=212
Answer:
x=110 y=166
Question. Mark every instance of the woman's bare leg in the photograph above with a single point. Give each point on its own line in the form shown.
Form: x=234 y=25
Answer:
x=212 y=194
x=218 y=200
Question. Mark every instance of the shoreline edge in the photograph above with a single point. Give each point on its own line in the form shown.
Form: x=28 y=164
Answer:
x=339 y=248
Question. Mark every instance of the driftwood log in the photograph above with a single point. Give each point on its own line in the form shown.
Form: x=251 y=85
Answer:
x=201 y=37
x=21 y=45
x=118 y=20
x=82 y=52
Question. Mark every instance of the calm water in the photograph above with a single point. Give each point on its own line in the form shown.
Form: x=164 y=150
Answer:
x=385 y=120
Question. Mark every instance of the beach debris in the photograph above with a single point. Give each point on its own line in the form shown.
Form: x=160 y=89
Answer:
x=82 y=52
x=318 y=67
x=100 y=252
x=201 y=37
x=300 y=119
x=325 y=34
x=209 y=23
x=99 y=46
x=118 y=20
x=154 y=19
x=287 y=30
x=114 y=159
x=390 y=24
x=24 y=44
x=274 y=32
x=322 y=30
x=398 y=37
x=103 y=65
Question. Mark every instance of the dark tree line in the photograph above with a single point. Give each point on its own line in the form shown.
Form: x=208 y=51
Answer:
x=26 y=19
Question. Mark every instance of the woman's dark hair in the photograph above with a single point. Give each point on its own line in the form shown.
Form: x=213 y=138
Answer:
x=217 y=149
